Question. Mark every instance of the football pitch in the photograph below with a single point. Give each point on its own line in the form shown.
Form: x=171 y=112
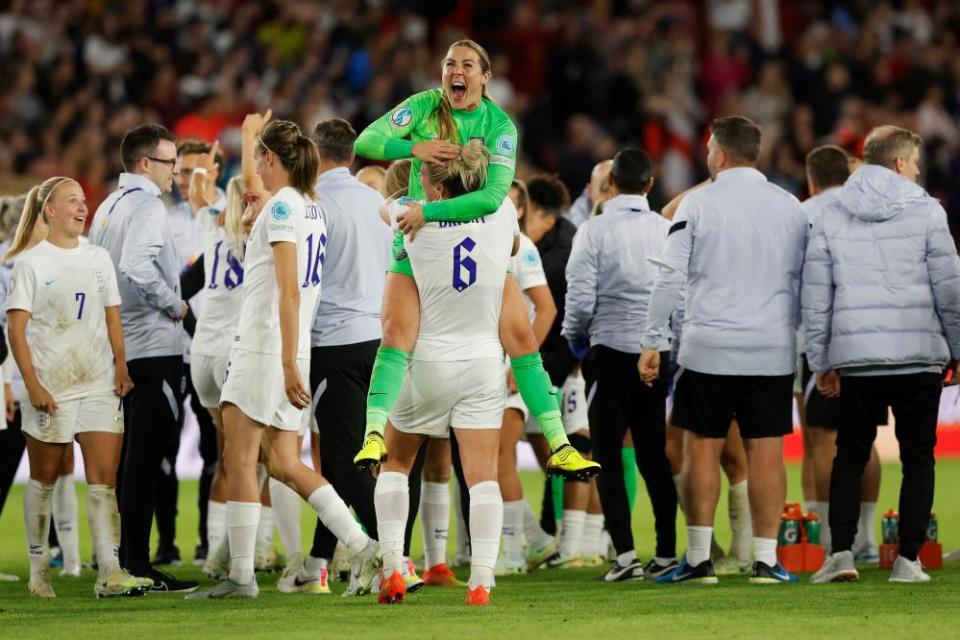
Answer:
x=552 y=603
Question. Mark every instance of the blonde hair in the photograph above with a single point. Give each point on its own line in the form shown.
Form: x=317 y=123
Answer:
x=37 y=199
x=5 y=202
x=396 y=182
x=233 y=217
x=465 y=173
x=446 y=127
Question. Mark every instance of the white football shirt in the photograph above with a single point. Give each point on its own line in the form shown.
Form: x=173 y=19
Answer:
x=65 y=291
x=286 y=217
x=222 y=291
x=460 y=269
x=527 y=268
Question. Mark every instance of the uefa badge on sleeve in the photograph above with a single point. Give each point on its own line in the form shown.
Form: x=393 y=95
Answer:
x=402 y=117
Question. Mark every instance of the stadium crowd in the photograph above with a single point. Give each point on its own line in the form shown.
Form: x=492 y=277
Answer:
x=579 y=78
x=602 y=293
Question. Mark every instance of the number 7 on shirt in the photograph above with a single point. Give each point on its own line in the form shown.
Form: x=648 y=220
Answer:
x=80 y=297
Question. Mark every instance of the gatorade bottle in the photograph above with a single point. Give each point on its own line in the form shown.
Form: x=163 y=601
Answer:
x=890 y=527
x=812 y=526
x=789 y=526
x=932 y=528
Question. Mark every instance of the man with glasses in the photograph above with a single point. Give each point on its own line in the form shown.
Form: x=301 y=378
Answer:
x=133 y=226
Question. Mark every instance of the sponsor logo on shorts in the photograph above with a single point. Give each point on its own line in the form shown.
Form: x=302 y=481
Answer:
x=402 y=117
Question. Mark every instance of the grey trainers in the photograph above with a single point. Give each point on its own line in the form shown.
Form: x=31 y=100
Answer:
x=838 y=567
x=908 y=571
x=228 y=589
x=366 y=566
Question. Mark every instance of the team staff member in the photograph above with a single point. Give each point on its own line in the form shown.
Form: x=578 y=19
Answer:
x=738 y=349
x=609 y=280
x=133 y=226
x=345 y=333
x=881 y=261
x=828 y=167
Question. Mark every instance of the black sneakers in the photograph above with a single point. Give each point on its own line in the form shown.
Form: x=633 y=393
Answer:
x=166 y=582
x=654 y=569
x=620 y=573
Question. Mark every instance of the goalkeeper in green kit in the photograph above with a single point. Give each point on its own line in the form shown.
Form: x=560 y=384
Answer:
x=428 y=127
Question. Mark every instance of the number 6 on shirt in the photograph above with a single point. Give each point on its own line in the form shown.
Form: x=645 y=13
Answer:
x=80 y=297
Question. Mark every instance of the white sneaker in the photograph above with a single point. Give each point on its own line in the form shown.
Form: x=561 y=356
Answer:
x=838 y=567
x=908 y=571
x=6 y=577
x=288 y=582
x=70 y=570
x=509 y=566
x=867 y=553
x=40 y=585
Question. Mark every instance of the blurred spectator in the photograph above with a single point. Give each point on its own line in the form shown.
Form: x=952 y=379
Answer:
x=582 y=79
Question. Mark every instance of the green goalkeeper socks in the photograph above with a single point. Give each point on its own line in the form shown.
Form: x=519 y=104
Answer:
x=629 y=458
x=540 y=396
x=385 y=385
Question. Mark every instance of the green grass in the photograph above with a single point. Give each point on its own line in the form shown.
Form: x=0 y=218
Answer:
x=524 y=607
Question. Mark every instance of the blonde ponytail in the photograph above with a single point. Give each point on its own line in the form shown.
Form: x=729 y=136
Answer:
x=37 y=198
x=233 y=217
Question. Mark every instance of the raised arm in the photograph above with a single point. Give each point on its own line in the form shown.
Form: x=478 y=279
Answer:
x=253 y=124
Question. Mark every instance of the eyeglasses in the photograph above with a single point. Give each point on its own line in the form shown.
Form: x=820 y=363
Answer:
x=172 y=162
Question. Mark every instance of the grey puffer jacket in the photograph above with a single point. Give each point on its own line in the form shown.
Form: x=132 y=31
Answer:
x=881 y=279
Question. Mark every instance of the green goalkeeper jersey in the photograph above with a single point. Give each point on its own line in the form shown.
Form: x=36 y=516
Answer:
x=392 y=136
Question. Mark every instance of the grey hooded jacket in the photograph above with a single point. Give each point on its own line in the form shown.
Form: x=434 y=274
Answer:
x=881 y=281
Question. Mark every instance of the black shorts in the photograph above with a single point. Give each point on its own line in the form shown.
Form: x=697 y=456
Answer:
x=823 y=412
x=705 y=403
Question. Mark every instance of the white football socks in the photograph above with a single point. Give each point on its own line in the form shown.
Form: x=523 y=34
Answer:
x=536 y=536
x=741 y=524
x=335 y=515
x=37 y=499
x=265 y=530
x=391 y=497
x=242 y=519
x=65 y=520
x=698 y=544
x=591 y=544
x=513 y=530
x=486 y=523
x=104 y=522
x=216 y=524
x=571 y=533
x=866 y=532
x=286 y=516
x=765 y=550
x=434 y=522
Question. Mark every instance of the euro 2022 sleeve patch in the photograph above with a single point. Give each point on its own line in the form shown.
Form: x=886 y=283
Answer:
x=280 y=211
x=401 y=117
x=530 y=258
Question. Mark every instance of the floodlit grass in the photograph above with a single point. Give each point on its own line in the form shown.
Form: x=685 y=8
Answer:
x=547 y=604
